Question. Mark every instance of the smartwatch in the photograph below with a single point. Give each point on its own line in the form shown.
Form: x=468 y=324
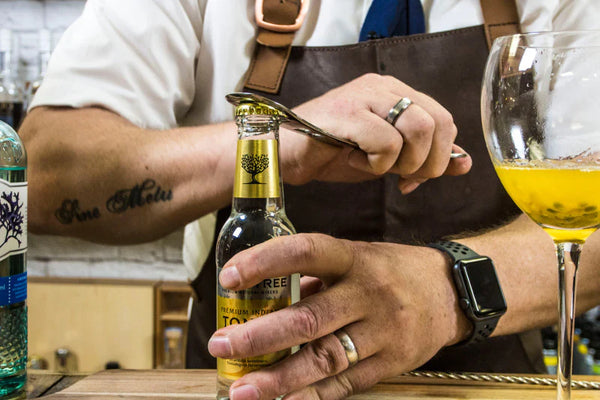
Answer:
x=479 y=291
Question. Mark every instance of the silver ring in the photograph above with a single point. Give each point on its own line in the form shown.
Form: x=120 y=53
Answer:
x=348 y=345
x=396 y=111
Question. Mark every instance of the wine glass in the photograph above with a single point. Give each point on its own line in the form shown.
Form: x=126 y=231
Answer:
x=540 y=109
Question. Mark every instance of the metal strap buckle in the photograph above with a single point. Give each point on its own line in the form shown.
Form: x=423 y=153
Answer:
x=260 y=18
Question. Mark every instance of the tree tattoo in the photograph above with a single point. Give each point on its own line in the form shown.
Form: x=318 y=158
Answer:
x=254 y=164
x=11 y=217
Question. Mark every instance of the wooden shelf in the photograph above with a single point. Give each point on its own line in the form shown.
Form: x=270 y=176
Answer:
x=174 y=316
x=171 y=309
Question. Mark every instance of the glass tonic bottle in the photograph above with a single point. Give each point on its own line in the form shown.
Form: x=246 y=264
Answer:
x=257 y=214
x=13 y=264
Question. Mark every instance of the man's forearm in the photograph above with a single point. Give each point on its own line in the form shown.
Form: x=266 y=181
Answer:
x=94 y=175
x=527 y=268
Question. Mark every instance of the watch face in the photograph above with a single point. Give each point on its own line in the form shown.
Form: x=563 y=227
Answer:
x=482 y=287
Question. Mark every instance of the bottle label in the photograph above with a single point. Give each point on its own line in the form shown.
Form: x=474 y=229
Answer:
x=13 y=218
x=257 y=169
x=241 y=306
x=13 y=289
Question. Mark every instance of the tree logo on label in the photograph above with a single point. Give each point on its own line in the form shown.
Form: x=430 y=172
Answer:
x=254 y=164
x=11 y=217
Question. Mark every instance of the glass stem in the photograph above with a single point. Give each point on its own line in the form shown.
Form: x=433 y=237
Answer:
x=568 y=259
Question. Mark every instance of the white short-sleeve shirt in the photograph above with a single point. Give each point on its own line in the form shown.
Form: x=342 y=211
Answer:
x=168 y=63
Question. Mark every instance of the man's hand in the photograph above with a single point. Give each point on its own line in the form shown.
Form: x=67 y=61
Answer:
x=417 y=147
x=396 y=302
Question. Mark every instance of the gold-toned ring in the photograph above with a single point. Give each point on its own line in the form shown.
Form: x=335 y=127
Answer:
x=348 y=345
x=396 y=111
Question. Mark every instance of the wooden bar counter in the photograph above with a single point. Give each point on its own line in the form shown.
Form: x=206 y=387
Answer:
x=200 y=385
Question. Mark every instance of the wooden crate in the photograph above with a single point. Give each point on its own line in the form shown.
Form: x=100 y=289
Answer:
x=97 y=320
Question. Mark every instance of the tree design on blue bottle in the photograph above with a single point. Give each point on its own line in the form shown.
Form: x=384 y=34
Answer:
x=254 y=164
x=11 y=217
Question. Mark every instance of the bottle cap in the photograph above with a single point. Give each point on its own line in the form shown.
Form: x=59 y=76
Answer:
x=252 y=108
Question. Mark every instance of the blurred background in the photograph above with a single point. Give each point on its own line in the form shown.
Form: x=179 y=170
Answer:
x=91 y=306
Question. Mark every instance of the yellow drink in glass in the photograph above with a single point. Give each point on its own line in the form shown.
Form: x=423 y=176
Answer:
x=560 y=196
x=539 y=106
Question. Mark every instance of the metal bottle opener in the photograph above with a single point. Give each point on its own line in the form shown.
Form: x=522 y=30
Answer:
x=293 y=122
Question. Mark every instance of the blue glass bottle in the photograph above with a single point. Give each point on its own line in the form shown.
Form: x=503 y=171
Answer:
x=13 y=264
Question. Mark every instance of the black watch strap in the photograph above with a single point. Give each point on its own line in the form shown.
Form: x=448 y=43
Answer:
x=455 y=250
x=482 y=329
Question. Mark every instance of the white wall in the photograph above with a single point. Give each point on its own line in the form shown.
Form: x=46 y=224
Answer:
x=26 y=17
x=52 y=256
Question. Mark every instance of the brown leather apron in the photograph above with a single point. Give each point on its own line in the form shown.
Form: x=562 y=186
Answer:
x=447 y=66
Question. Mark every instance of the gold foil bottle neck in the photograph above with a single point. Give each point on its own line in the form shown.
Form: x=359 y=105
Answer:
x=257 y=169
x=256 y=109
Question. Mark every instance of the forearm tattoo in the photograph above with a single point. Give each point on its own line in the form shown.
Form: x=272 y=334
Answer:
x=69 y=211
x=142 y=194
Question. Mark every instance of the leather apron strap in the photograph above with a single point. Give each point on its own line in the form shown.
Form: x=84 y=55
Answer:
x=277 y=23
x=500 y=18
x=283 y=18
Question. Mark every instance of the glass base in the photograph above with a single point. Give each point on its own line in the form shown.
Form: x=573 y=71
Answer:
x=13 y=387
x=223 y=388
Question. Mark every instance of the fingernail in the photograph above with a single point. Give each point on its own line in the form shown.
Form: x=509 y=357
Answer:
x=230 y=277
x=246 y=392
x=220 y=346
x=409 y=187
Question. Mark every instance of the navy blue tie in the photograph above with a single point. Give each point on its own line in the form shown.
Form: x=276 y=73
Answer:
x=387 y=18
